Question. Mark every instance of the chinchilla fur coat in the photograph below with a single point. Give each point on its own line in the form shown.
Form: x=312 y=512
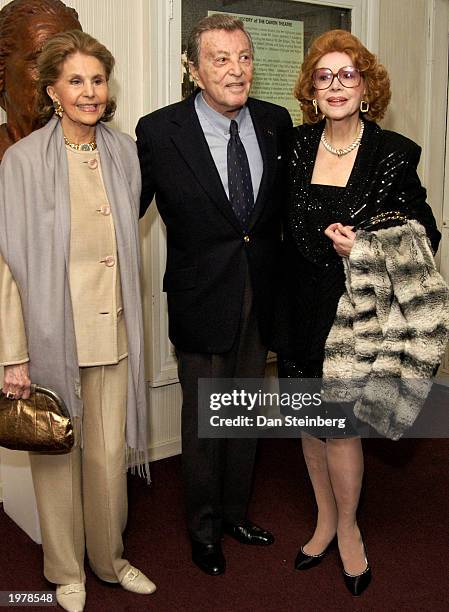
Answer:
x=390 y=330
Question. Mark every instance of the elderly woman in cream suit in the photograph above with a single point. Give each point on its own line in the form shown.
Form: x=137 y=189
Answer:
x=70 y=316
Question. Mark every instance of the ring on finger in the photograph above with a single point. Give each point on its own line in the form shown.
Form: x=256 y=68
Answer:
x=10 y=395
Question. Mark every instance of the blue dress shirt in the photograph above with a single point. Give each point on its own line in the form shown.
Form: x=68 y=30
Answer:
x=216 y=131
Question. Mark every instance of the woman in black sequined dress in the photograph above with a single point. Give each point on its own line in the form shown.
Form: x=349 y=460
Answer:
x=343 y=168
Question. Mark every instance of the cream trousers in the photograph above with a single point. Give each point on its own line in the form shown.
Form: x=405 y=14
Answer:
x=82 y=496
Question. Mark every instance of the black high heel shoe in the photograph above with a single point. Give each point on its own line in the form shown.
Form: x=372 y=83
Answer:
x=304 y=561
x=357 y=583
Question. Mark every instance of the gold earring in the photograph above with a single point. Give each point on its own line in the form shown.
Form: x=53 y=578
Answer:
x=364 y=106
x=315 y=106
x=58 y=108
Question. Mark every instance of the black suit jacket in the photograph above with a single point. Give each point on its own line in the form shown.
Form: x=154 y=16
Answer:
x=207 y=252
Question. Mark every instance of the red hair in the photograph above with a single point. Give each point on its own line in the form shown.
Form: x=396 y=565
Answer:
x=377 y=82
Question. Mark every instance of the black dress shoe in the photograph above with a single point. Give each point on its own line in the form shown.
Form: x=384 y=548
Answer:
x=209 y=558
x=357 y=583
x=248 y=533
x=304 y=561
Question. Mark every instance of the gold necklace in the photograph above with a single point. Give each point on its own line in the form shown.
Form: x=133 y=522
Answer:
x=347 y=149
x=86 y=146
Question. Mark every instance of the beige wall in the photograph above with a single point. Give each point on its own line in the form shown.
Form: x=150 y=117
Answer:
x=402 y=45
x=123 y=26
x=413 y=44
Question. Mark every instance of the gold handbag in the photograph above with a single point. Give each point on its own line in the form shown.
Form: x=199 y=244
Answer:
x=39 y=424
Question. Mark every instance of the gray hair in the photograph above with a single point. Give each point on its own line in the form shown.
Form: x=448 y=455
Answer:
x=213 y=22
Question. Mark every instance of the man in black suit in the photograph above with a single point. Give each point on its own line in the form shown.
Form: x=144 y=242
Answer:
x=214 y=163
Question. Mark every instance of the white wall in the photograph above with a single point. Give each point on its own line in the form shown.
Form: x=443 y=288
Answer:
x=413 y=44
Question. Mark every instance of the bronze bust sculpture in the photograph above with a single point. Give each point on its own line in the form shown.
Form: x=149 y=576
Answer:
x=25 y=25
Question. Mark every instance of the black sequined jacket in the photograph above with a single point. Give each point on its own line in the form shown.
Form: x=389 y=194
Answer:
x=384 y=178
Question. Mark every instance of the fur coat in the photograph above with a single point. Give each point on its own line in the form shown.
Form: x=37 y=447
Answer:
x=390 y=330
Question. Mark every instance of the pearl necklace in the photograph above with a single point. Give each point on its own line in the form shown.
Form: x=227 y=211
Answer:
x=347 y=149
x=87 y=146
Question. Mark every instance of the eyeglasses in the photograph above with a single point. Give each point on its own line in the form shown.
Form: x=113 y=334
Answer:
x=348 y=76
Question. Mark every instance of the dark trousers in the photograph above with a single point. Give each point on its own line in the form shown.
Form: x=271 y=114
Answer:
x=218 y=472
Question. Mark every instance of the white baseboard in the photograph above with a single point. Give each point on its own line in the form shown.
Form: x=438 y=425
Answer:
x=165 y=449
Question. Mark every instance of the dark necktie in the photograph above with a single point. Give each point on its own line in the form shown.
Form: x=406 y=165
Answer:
x=241 y=194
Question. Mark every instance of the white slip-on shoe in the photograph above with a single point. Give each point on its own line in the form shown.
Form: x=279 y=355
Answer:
x=71 y=597
x=136 y=582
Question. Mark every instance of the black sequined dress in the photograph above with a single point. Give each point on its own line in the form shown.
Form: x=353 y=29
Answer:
x=327 y=204
x=315 y=265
